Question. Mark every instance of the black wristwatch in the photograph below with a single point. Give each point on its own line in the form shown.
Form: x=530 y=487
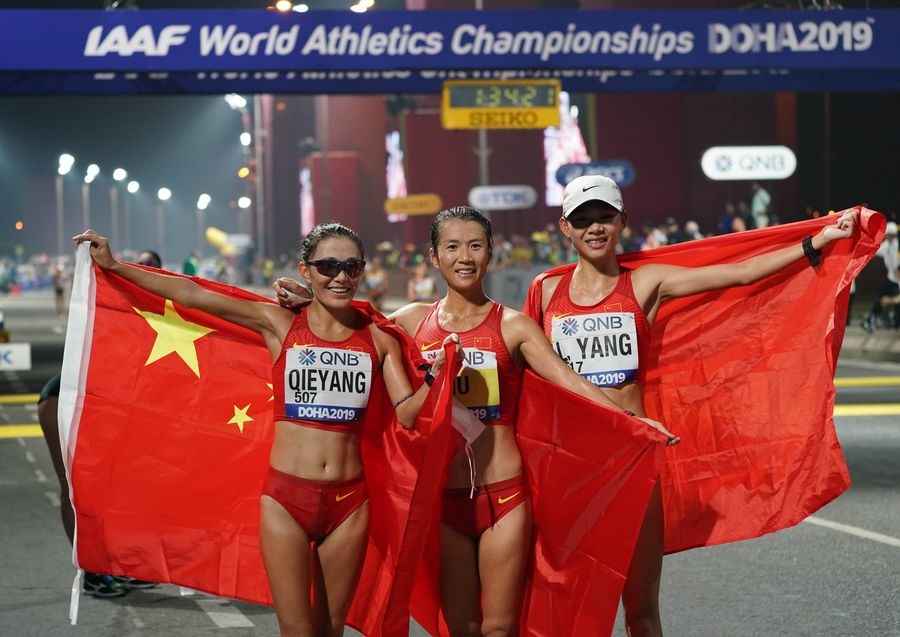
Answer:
x=429 y=377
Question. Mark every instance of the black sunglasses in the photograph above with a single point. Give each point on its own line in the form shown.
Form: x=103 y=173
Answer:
x=332 y=267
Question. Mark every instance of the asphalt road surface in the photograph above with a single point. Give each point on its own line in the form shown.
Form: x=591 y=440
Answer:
x=836 y=574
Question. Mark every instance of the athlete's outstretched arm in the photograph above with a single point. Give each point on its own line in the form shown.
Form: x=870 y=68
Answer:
x=259 y=317
x=674 y=281
x=530 y=341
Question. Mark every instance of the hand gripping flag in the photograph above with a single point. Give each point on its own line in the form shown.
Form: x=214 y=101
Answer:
x=166 y=422
x=746 y=377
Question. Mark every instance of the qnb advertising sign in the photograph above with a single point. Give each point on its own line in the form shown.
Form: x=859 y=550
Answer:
x=725 y=163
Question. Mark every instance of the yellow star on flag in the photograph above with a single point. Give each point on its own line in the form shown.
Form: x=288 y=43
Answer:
x=272 y=397
x=240 y=417
x=174 y=334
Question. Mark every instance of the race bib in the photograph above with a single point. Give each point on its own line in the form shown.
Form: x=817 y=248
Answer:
x=601 y=347
x=477 y=385
x=323 y=383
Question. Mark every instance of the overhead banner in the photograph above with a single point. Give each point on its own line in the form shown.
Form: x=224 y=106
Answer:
x=414 y=51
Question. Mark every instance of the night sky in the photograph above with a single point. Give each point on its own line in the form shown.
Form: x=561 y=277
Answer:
x=189 y=144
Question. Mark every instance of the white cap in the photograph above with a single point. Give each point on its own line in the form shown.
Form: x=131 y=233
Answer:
x=591 y=188
x=891 y=228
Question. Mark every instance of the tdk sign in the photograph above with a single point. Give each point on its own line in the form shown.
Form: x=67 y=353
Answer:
x=729 y=163
x=503 y=197
x=217 y=40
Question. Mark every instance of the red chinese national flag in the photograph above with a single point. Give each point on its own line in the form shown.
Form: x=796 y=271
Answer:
x=169 y=441
x=166 y=418
x=745 y=377
x=591 y=471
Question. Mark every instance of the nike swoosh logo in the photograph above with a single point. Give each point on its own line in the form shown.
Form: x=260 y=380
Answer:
x=507 y=499
x=338 y=497
x=430 y=345
x=559 y=316
x=586 y=188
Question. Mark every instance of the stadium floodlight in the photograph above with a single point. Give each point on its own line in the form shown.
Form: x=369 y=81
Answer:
x=236 y=102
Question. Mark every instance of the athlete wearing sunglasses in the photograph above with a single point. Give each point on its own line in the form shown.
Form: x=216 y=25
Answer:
x=315 y=492
x=332 y=267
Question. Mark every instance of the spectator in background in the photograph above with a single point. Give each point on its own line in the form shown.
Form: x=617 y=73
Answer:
x=540 y=245
x=725 y=225
x=891 y=286
x=743 y=211
x=521 y=254
x=191 y=264
x=760 y=203
x=60 y=282
x=421 y=286
x=653 y=237
x=375 y=282
x=95 y=584
x=628 y=243
x=410 y=257
x=673 y=231
x=268 y=270
x=692 y=230
x=502 y=250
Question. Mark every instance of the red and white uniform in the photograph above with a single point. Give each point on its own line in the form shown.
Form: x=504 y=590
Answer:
x=324 y=384
x=607 y=342
x=489 y=381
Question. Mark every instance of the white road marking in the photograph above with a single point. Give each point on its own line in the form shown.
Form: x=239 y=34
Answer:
x=29 y=457
x=224 y=614
x=855 y=530
x=53 y=496
x=138 y=623
x=40 y=475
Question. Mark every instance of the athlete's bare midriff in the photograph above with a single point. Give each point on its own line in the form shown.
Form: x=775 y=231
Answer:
x=496 y=458
x=315 y=454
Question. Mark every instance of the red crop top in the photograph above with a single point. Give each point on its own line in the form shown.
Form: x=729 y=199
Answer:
x=607 y=342
x=489 y=381
x=324 y=384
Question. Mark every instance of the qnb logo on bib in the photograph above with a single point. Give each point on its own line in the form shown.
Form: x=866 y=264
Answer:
x=322 y=383
x=478 y=384
x=601 y=347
